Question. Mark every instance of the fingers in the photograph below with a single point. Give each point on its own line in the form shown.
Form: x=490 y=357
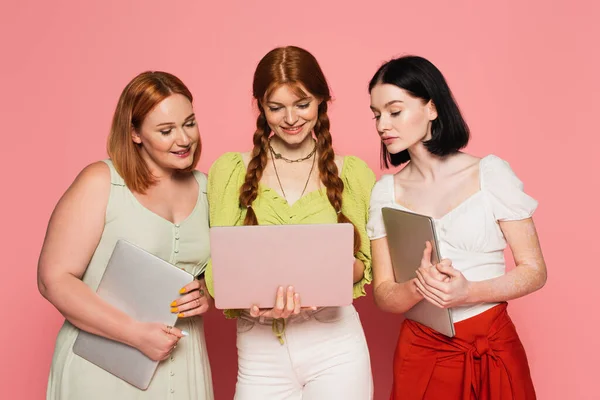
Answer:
x=190 y=297
x=447 y=269
x=193 y=303
x=426 y=259
x=172 y=331
x=427 y=279
x=285 y=305
x=297 y=307
x=289 y=303
x=425 y=291
x=279 y=303
x=195 y=307
x=428 y=298
x=193 y=285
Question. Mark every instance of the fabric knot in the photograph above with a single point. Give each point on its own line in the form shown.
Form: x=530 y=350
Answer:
x=482 y=346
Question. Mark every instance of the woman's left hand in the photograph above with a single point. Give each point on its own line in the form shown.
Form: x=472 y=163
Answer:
x=196 y=300
x=445 y=293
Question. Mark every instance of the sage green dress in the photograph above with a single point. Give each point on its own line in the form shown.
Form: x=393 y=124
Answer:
x=186 y=374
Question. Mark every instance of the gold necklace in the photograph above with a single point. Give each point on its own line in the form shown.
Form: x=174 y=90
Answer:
x=280 y=157
x=277 y=174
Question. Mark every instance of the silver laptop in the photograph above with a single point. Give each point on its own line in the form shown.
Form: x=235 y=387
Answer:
x=143 y=286
x=407 y=233
x=251 y=262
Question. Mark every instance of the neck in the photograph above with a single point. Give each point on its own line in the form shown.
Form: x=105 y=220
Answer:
x=161 y=174
x=293 y=151
x=423 y=164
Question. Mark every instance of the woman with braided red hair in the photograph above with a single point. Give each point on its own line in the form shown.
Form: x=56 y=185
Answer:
x=293 y=176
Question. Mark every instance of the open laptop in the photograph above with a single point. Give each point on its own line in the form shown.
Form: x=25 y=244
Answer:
x=407 y=233
x=250 y=262
x=143 y=286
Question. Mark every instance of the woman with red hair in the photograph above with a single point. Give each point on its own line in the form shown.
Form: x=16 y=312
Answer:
x=149 y=194
x=293 y=176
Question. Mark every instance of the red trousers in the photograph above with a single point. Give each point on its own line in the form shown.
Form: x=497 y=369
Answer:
x=484 y=361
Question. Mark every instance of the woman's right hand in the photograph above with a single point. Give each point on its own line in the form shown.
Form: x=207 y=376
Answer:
x=431 y=269
x=285 y=305
x=157 y=340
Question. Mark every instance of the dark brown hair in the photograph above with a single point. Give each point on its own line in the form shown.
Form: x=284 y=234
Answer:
x=292 y=66
x=139 y=97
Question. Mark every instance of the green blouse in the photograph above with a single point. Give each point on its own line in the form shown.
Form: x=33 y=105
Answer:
x=227 y=174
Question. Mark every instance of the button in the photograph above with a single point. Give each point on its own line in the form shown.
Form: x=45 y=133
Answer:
x=172 y=390
x=176 y=251
x=176 y=225
x=176 y=237
x=171 y=373
x=172 y=358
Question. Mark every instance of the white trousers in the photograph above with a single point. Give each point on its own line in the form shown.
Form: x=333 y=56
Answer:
x=324 y=356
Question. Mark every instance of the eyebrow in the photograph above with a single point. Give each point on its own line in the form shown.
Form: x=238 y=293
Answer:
x=296 y=102
x=191 y=116
x=389 y=103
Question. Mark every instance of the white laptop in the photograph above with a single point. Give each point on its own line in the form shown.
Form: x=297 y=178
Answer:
x=143 y=286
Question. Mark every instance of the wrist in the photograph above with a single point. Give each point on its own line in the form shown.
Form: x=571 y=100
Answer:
x=472 y=296
x=412 y=288
x=133 y=331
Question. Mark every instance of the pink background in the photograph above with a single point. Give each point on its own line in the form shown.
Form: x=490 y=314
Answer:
x=524 y=73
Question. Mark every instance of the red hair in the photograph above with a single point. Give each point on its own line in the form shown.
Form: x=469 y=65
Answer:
x=292 y=66
x=138 y=98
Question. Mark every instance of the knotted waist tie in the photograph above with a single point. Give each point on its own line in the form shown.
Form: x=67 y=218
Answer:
x=429 y=348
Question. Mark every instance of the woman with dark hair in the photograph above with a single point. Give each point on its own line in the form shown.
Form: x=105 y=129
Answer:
x=149 y=194
x=293 y=176
x=478 y=206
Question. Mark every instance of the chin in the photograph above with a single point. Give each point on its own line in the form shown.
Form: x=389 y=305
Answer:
x=395 y=148
x=293 y=139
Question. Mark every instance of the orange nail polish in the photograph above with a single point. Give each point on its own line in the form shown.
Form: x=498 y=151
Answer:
x=174 y=304
x=174 y=309
x=182 y=290
x=180 y=315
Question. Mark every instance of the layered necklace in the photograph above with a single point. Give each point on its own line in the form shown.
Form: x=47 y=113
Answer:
x=278 y=156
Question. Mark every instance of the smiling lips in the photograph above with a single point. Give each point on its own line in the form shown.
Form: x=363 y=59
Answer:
x=182 y=153
x=292 y=130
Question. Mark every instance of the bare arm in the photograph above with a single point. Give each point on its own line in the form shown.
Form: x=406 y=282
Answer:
x=359 y=270
x=73 y=233
x=529 y=274
x=389 y=295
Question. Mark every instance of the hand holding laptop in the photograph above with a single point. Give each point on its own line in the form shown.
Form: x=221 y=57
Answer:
x=286 y=305
x=195 y=300
x=441 y=284
x=157 y=340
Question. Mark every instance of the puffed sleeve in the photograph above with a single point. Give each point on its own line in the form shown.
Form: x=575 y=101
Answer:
x=382 y=196
x=224 y=180
x=358 y=182
x=505 y=190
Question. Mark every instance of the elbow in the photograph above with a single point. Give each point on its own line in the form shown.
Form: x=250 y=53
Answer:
x=43 y=287
x=543 y=278
x=383 y=301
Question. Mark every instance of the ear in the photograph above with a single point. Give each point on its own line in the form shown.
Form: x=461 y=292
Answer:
x=431 y=110
x=135 y=136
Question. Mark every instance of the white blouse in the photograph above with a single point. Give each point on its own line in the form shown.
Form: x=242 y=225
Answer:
x=469 y=235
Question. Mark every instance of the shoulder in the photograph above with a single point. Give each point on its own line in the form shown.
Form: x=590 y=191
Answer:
x=356 y=171
x=383 y=190
x=226 y=164
x=95 y=176
x=495 y=171
x=201 y=178
x=90 y=187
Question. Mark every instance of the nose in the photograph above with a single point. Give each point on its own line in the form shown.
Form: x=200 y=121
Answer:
x=182 y=139
x=290 y=116
x=383 y=125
